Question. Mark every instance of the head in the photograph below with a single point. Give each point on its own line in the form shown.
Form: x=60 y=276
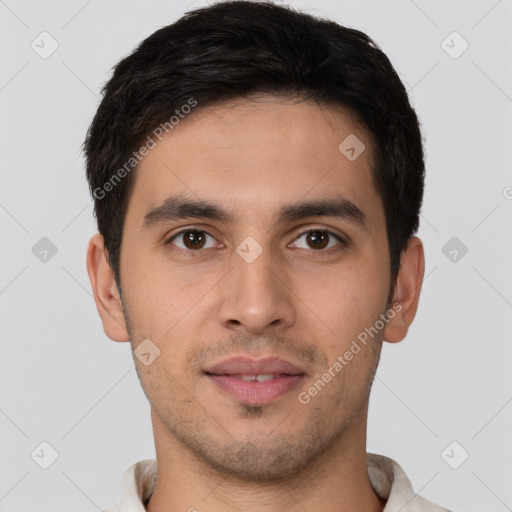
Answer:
x=218 y=143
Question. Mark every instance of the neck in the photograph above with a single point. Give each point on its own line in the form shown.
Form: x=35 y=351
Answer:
x=337 y=480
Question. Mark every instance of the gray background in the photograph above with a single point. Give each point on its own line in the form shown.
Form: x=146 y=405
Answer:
x=64 y=382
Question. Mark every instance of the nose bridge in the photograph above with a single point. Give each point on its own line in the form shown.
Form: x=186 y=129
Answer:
x=256 y=268
x=254 y=293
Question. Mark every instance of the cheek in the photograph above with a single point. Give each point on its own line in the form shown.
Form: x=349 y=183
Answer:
x=157 y=298
x=352 y=300
x=164 y=386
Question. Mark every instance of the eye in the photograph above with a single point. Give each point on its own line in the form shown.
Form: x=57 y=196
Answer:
x=320 y=239
x=191 y=240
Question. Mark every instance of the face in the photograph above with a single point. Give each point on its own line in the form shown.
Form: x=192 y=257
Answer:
x=256 y=275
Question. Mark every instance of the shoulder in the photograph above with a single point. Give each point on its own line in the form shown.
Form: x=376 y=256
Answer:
x=137 y=486
x=391 y=483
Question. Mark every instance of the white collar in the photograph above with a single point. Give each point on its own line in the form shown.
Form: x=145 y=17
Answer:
x=386 y=476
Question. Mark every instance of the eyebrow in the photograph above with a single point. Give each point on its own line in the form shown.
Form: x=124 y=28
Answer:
x=178 y=207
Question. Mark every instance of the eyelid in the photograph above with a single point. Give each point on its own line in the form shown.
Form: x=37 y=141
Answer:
x=169 y=238
x=343 y=239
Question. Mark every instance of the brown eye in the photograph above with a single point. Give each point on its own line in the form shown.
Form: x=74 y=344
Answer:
x=319 y=239
x=191 y=240
x=194 y=239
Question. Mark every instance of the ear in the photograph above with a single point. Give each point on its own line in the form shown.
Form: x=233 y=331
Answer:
x=407 y=291
x=106 y=294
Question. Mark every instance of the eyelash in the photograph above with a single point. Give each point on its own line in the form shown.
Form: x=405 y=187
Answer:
x=321 y=252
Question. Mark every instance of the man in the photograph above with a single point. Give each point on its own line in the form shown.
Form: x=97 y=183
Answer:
x=257 y=176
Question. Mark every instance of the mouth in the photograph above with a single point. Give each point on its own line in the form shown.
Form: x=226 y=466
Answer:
x=259 y=377
x=255 y=382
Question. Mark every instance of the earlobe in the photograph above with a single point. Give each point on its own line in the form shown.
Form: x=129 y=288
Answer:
x=106 y=294
x=407 y=291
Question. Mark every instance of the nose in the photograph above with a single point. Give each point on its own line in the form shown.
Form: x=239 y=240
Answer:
x=256 y=295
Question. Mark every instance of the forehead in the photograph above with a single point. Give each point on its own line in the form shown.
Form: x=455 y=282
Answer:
x=257 y=155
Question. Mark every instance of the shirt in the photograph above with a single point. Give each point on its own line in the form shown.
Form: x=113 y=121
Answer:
x=386 y=476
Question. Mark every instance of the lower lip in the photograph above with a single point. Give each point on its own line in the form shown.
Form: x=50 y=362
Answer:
x=253 y=392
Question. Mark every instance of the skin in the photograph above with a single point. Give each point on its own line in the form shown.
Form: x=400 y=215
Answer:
x=216 y=454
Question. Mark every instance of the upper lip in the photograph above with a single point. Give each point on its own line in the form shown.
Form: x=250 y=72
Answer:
x=246 y=366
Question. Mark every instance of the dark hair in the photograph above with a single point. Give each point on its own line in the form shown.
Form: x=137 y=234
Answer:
x=236 y=49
